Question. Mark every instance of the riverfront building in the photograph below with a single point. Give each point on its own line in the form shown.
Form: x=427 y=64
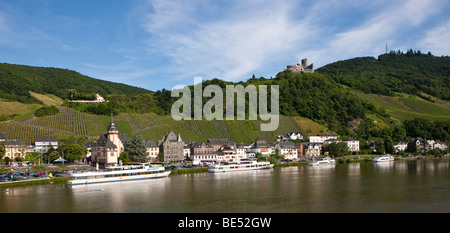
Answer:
x=172 y=147
x=107 y=149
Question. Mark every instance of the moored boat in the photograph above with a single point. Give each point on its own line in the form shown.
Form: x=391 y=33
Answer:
x=323 y=161
x=243 y=165
x=119 y=173
x=384 y=158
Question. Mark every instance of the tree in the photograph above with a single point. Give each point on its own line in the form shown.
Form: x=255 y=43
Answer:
x=73 y=151
x=53 y=155
x=124 y=157
x=412 y=147
x=436 y=152
x=379 y=147
x=336 y=149
x=160 y=157
x=2 y=151
x=389 y=145
x=136 y=149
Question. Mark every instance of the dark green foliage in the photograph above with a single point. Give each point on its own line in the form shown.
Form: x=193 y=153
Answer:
x=437 y=130
x=124 y=157
x=136 y=149
x=82 y=96
x=304 y=95
x=73 y=151
x=389 y=145
x=336 y=149
x=46 y=111
x=410 y=73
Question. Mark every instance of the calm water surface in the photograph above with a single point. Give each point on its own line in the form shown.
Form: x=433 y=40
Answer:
x=398 y=187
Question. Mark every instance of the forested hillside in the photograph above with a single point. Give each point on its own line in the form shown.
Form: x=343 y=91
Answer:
x=400 y=95
x=16 y=81
x=360 y=97
x=412 y=73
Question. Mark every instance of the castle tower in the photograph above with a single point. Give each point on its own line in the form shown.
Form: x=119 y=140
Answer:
x=301 y=68
x=305 y=63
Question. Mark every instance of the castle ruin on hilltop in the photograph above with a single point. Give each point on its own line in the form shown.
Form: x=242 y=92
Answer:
x=301 y=68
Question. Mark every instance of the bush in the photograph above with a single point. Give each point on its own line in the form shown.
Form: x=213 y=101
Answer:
x=46 y=111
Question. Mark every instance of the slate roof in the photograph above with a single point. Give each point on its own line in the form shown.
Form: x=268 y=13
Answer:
x=104 y=142
x=46 y=139
x=112 y=127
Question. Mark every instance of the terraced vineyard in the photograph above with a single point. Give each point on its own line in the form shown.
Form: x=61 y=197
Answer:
x=71 y=122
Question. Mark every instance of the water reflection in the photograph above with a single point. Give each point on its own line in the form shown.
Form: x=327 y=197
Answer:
x=401 y=186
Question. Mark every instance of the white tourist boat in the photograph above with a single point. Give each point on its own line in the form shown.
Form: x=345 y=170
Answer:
x=323 y=161
x=119 y=173
x=384 y=158
x=243 y=165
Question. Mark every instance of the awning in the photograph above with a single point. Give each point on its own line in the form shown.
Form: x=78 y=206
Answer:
x=60 y=159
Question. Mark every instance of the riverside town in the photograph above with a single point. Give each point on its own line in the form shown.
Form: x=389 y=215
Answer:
x=30 y=149
x=224 y=115
x=278 y=144
x=48 y=157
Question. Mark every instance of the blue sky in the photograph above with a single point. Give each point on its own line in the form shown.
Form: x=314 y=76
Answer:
x=158 y=44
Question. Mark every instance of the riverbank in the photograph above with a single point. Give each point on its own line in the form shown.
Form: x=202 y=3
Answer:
x=183 y=171
x=36 y=181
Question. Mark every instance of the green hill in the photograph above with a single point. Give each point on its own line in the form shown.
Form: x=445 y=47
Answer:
x=16 y=82
x=410 y=73
x=362 y=97
x=151 y=126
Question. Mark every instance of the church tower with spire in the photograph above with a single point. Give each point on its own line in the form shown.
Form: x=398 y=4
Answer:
x=107 y=149
x=113 y=136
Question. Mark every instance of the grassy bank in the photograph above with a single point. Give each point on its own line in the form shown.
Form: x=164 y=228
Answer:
x=56 y=180
x=188 y=171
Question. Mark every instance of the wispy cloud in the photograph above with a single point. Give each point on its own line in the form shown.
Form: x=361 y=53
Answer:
x=158 y=44
x=436 y=40
x=243 y=37
x=393 y=25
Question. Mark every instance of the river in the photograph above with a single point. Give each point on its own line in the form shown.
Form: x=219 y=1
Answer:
x=397 y=187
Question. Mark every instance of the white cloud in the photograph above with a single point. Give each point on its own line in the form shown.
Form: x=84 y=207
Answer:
x=437 y=40
x=393 y=25
x=234 y=40
x=244 y=37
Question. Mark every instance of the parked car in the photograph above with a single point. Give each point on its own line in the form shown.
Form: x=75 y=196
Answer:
x=5 y=177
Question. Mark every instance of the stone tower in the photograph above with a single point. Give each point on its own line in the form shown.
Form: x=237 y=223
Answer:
x=301 y=68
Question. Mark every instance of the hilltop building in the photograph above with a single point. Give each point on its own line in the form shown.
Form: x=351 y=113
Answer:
x=304 y=67
x=98 y=99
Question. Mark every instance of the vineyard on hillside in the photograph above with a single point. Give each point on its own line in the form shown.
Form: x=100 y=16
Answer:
x=150 y=126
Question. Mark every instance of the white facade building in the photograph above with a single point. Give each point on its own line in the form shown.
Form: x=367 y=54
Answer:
x=400 y=146
x=320 y=138
x=42 y=144
x=352 y=144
